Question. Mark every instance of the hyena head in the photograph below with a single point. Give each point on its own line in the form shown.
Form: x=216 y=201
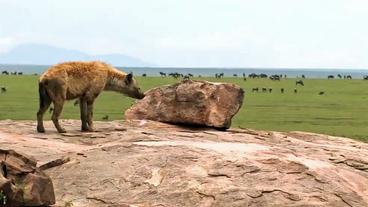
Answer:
x=131 y=87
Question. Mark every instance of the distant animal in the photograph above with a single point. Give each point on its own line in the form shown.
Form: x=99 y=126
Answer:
x=270 y=90
x=262 y=75
x=264 y=89
x=244 y=79
x=330 y=77
x=295 y=90
x=163 y=74
x=144 y=75
x=299 y=82
x=275 y=77
x=255 y=89
x=348 y=77
x=5 y=72
x=339 y=76
x=282 y=90
x=365 y=77
x=82 y=80
x=253 y=75
x=20 y=73
x=303 y=76
x=321 y=93
x=106 y=117
x=186 y=77
x=235 y=75
x=3 y=90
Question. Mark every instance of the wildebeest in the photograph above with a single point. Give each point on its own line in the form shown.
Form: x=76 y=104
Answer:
x=299 y=82
x=253 y=75
x=20 y=73
x=235 y=75
x=365 y=77
x=339 y=76
x=5 y=72
x=175 y=75
x=163 y=74
x=264 y=89
x=282 y=90
x=106 y=117
x=295 y=90
x=262 y=75
x=220 y=75
x=255 y=89
x=321 y=93
x=3 y=90
x=275 y=77
x=82 y=80
x=186 y=77
x=330 y=77
x=303 y=76
x=144 y=75
x=349 y=77
x=270 y=90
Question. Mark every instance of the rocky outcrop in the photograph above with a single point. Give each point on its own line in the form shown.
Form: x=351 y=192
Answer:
x=190 y=102
x=146 y=163
x=22 y=183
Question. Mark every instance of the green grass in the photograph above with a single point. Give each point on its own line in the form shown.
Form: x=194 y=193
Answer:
x=342 y=111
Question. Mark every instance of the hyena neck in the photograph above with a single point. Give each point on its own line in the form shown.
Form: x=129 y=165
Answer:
x=115 y=81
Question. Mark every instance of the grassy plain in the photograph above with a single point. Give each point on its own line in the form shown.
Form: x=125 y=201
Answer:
x=341 y=111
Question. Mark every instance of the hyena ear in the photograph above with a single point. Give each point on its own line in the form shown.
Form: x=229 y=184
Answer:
x=129 y=78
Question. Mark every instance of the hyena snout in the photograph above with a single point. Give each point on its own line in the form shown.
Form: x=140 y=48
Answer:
x=139 y=94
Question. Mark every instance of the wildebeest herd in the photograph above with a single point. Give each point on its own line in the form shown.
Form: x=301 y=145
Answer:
x=274 y=77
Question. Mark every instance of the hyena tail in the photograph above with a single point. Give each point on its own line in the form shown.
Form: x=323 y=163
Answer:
x=44 y=96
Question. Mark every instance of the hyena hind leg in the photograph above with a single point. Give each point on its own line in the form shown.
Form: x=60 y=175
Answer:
x=40 y=113
x=58 y=108
x=83 y=114
x=90 y=115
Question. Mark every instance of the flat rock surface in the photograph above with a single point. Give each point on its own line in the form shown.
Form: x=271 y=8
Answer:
x=146 y=163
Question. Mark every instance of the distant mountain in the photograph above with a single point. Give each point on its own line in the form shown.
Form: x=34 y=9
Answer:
x=39 y=54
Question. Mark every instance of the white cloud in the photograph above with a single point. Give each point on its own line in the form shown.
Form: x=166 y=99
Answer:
x=242 y=33
x=6 y=43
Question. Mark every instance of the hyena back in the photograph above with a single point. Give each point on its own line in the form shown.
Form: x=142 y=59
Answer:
x=82 y=80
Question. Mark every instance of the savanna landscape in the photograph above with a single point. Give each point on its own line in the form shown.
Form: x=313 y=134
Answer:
x=340 y=111
x=185 y=103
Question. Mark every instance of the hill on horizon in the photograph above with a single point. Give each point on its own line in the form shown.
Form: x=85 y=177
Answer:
x=40 y=54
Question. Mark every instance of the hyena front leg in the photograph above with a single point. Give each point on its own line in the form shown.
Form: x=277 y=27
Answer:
x=58 y=108
x=83 y=113
x=90 y=115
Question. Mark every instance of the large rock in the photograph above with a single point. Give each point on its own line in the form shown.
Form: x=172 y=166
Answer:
x=151 y=164
x=22 y=183
x=190 y=102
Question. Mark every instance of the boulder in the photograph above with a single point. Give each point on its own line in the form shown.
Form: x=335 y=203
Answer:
x=190 y=102
x=22 y=183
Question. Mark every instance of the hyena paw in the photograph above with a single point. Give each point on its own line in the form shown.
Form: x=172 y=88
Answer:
x=88 y=130
x=40 y=129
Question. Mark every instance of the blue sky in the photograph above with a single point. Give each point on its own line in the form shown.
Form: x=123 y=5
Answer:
x=198 y=33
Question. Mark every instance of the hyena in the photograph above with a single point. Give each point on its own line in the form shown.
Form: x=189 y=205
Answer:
x=82 y=80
